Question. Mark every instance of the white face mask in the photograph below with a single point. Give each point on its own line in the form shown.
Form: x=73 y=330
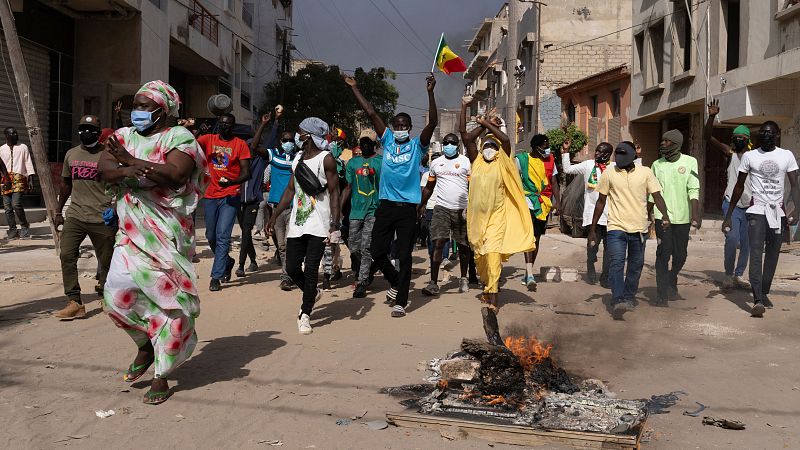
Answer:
x=489 y=153
x=400 y=135
x=546 y=151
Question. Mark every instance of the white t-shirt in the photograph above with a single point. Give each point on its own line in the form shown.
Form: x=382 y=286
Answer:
x=590 y=195
x=432 y=199
x=310 y=216
x=452 y=181
x=767 y=173
x=733 y=176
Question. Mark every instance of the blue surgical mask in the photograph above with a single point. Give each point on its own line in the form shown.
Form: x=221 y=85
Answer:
x=142 y=120
x=297 y=141
x=400 y=135
x=288 y=147
x=450 y=150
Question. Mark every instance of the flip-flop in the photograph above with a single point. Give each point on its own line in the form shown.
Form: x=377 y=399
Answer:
x=156 y=397
x=133 y=368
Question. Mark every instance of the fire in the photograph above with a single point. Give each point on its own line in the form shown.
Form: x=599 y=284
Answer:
x=529 y=350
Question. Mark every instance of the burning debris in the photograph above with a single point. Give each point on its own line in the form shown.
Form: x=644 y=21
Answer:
x=514 y=381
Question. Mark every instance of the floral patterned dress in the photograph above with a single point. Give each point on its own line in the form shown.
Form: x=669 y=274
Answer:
x=151 y=289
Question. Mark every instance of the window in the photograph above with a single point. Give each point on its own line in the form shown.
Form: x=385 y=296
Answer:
x=246 y=90
x=639 y=61
x=247 y=13
x=593 y=106
x=571 y=112
x=230 y=5
x=654 y=71
x=731 y=39
x=225 y=87
x=682 y=40
x=616 y=103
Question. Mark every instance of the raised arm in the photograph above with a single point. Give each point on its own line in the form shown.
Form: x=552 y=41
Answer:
x=711 y=141
x=493 y=127
x=255 y=143
x=377 y=122
x=566 y=163
x=433 y=113
x=468 y=138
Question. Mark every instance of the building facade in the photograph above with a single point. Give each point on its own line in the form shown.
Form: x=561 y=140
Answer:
x=532 y=49
x=745 y=53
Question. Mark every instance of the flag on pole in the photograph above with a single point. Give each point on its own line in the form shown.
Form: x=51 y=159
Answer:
x=447 y=61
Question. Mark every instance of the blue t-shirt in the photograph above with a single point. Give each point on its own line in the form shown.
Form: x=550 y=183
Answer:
x=400 y=172
x=281 y=163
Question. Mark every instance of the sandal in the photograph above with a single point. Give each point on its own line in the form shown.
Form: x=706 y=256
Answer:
x=130 y=378
x=156 y=397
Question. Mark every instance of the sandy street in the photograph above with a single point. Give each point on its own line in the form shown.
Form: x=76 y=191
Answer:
x=254 y=380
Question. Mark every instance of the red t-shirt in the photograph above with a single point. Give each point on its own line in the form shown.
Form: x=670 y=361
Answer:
x=224 y=159
x=549 y=166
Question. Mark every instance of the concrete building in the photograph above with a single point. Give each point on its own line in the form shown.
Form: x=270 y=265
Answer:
x=533 y=49
x=599 y=106
x=85 y=55
x=746 y=53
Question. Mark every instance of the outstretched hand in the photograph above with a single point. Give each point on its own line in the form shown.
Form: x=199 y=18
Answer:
x=430 y=82
x=466 y=100
x=266 y=118
x=349 y=80
x=713 y=107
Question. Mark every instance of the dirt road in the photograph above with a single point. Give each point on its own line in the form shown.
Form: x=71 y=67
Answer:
x=253 y=379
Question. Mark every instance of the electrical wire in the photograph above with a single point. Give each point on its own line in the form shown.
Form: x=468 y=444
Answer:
x=403 y=18
x=423 y=53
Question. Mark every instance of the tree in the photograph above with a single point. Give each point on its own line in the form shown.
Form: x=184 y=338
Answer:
x=318 y=90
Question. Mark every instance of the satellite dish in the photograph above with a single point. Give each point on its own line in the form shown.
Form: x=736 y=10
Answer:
x=219 y=104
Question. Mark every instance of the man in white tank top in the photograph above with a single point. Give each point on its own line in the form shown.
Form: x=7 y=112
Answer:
x=313 y=193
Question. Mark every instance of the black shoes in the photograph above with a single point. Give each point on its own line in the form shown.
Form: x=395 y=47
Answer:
x=326 y=282
x=229 y=270
x=287 y=285
x=360 y=291
x=216 y=285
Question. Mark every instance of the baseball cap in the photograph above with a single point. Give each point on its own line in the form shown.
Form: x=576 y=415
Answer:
x=90 y=120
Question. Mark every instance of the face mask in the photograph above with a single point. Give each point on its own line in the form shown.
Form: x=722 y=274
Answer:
x=739 y=144
x=450 y=150
x=625 y=160
x=287 y=147
x=671 y=153
x=400 y=135
x=143 y=120
x=489 y=153
x=297 y=141
x=334 y=146
x=88 y=138
x=602 y=158
x=546 y=152
x=225 y=130
x=767 y=141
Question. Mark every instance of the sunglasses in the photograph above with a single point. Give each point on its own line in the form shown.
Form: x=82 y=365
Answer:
x=450 y=142
x=287 y=140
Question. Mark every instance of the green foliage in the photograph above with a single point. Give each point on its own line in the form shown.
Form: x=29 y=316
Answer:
x=319 y=91
x=556 y=136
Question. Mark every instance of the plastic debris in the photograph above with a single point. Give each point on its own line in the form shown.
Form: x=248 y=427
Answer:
x=343 y=422
x=103 y=414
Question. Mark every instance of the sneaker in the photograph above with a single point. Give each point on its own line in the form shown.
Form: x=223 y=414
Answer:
x=620 y=309
x=240 y=272
x=253 y=267
x=195 y=259
x=337 y=275
x=474 y=280
x=360 y=290
x=729 y=282
x=398 y=311
x=463 y=285
x=25 y=233
x=604 y=283
x=287 y=285
x=391 y=296
x=304 y=324
x=662 y=303
x=73 y=310
x=740 y=282
x=758 y=310
x=767 y=303
x=431 y=289
x=229 y=270
x=530 y=282
x=216 y=285
x=326 y=282
x=12 y=233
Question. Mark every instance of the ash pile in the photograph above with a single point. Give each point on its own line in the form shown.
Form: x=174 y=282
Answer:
x=516 y=382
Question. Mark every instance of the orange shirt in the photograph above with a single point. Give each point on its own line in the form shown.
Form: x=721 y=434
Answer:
x=224 y=159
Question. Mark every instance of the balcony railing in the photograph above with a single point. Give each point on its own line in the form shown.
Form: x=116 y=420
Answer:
x=204 y=22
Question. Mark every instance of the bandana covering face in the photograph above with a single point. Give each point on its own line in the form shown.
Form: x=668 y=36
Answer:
x=163 y=94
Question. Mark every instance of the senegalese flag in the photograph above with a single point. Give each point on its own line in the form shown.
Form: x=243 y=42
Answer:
x=447 y=61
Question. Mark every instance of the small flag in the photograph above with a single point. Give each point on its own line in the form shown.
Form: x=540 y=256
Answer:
x=447 y=61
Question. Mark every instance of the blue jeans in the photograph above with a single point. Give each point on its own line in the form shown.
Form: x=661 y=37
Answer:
x=737 y=237
x=220 y=216
x=619 y=244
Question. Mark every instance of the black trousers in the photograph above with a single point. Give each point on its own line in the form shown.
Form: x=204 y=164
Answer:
x=247 y=215
x=672 y=243
x=765 y=248
x=309 y=249
x=390 y=219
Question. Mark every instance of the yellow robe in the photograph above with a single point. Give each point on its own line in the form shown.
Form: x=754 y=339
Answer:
x=498 y=219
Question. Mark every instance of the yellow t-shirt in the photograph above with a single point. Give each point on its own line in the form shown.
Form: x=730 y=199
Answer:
x=627 y=197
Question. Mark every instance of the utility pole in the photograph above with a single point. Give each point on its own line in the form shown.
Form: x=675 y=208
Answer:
x=31 y=119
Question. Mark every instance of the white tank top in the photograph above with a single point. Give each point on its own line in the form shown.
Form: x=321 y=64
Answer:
x=310 y=215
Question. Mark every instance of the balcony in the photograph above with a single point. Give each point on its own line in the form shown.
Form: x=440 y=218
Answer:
x=480 y=34
x=203 y=21
x=476 y=65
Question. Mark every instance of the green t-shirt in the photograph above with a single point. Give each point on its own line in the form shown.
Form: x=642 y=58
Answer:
x=89 y=198
x=679 y=184
x=363 y=175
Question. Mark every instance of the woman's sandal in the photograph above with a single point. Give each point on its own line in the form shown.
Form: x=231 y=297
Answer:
x=130 y=378
x=156 y=397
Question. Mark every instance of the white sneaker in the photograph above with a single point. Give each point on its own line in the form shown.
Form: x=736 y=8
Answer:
x=463 y=285
x=741 y=282
x=398 y=311
x=304 y=324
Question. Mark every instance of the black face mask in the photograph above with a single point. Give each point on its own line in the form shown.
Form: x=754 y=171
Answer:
x=739 y=144
x=225 y=130
x=767 y=140
x=367 y=147
x=602 y=158
x=89 y=138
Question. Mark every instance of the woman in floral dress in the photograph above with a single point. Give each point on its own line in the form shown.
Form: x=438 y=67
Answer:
x=157 y=173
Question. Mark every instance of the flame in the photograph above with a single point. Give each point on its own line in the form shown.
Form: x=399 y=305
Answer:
x=529 y=350
x=442 y=385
